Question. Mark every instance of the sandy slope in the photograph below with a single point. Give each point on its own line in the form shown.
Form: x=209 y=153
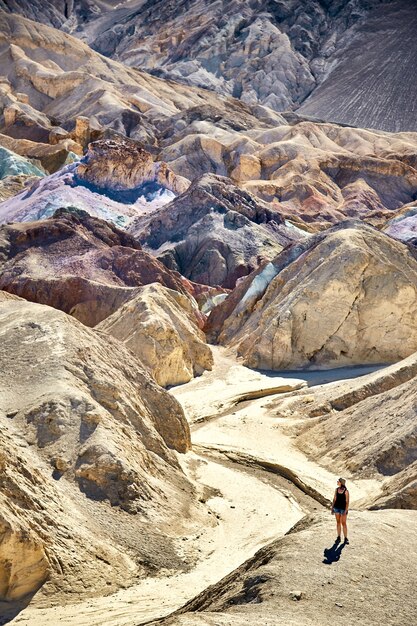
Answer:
x=260 y=513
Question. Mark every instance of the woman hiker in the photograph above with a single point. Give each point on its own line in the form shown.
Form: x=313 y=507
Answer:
x=340 y=507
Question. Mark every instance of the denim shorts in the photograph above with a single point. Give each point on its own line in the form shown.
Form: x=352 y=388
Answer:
x=339 y=511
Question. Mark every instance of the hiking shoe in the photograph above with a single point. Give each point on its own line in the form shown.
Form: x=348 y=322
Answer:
x=346 y=541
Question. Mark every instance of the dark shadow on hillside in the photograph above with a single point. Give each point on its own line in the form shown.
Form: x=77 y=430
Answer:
x=333 y=554
x=148 y=191
x=9 y=610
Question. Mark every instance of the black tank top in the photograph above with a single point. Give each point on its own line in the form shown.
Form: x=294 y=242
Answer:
x=340 y=499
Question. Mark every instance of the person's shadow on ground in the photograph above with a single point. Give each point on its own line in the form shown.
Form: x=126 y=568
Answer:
x=333 y=554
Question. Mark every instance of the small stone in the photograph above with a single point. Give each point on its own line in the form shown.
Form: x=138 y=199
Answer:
x=60 y=464
x=296 y=595
x=339 y=605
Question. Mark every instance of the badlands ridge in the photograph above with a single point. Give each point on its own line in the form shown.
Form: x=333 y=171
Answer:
x=208 y=294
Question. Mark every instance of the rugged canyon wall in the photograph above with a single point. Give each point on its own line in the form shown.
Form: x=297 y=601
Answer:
x=346 y=296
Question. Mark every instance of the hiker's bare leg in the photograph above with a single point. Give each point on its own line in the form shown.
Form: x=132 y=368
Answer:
x=344 y=524
x=338 y=524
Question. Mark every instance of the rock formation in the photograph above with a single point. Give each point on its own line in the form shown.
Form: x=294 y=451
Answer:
x=50 y=157
x=403 y=225
x=78 y=83
x=312 y=173
x=124 y=166
x=160 y=326
x=346 y=296
x=376 y=82
x=214 y=233
x=280 y=54
x=79 y=264
x=201 y=137
x=87 y=440
x=12 y=164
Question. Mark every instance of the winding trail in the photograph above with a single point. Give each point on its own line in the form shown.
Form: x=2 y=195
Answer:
x=260 y=486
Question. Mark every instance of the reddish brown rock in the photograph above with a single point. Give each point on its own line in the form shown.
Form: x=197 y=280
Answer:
x=79 y=264
x=214 y=233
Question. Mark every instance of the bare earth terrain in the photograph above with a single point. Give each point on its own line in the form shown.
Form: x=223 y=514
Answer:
x=260 y=485
x=208 y=302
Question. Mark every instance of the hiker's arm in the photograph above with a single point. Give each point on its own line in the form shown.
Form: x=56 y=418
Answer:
x=334 y=499
x=347 y=501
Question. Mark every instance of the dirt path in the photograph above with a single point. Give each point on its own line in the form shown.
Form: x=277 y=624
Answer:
x=259 y=479
x=248 y=512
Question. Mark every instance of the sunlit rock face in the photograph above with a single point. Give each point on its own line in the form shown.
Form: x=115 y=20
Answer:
x=124 y=166
x=161 y=327
x=347 y=296
x=88 y=445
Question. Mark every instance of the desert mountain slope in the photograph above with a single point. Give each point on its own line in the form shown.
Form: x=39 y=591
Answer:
x=303 y=580
x=51 y=79
x=79 y=264
x=347 y=61
x=215 y=232
x=373 y=81
x=311 y=172
x=160 y=326
x=314 y=174
x=87 y=440
x=346 y=296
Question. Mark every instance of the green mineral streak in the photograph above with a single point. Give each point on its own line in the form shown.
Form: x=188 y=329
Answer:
x=12 y=164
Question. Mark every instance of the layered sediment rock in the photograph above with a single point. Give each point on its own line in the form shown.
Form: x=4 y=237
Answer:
x=79 y=264
x=347 y=296
x=312 y=173
x=215 y=232
x=124 y=166
x=87 y=439
x=160 y=326
x=78 y=83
